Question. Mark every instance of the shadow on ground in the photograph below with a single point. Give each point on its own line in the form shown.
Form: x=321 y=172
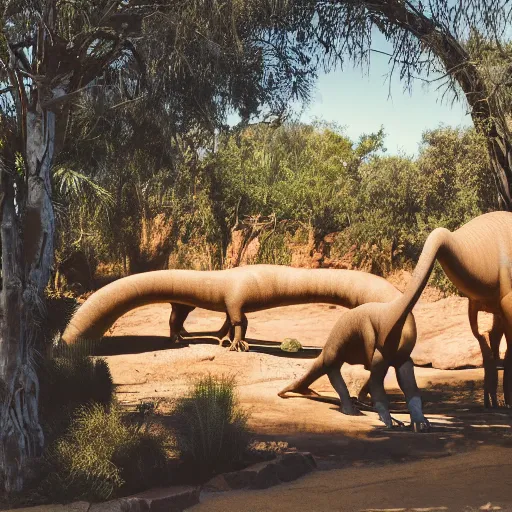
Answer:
x=115 y=345
x=455 y=411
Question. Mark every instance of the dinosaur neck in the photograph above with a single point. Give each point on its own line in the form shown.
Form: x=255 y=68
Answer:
x=403 y=305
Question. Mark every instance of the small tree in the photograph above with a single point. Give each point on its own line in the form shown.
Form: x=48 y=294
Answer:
x=50 y=53
x=453 y=39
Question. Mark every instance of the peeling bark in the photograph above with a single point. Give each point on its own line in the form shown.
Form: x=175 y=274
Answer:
x=26 y=264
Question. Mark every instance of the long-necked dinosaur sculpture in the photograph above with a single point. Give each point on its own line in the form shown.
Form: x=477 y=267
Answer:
x=477 y=258
x=235 y=291
x=354 y=339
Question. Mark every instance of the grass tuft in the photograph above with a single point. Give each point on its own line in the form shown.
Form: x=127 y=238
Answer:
x=212 y=434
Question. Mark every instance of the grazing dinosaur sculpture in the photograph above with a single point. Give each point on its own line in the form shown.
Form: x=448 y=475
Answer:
x=236 y=291
x=477 y=258
x=355 y=339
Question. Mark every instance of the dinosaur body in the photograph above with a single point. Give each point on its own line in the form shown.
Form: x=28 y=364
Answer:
x=477 y=258
x=354 y=340
x=236 y=291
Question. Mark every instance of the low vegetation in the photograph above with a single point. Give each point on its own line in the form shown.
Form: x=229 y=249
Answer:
x=212 y=434
x=97 y=451
x=102 y=455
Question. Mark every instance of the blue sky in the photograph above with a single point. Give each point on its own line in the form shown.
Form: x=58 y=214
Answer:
x=359 y=102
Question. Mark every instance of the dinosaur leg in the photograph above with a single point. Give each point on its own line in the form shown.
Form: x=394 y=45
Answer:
x=507 y=371
x=490 y=371
x=239 y=323
x=363 y=393
x=302 y=384
x=178 y=316
x=490 y=363
x=339 y=385
x=506 y=307
x=380 y=400
x=407 y=383
x=224 y=330
x=493 y=336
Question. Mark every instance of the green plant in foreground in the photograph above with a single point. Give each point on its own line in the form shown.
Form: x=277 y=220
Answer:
x=67 y=383
x=212 y=433
x=102 y=456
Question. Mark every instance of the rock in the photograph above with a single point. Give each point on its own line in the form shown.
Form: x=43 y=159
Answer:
x=266 y=476
x=293 y=465
x=77 y=506
x=170 y=499
x=217 y=484
x=250 y=253
x=285 y=468
x=244 y=477
x=111 y=506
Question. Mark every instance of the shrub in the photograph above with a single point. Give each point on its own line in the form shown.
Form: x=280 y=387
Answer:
x=67 y=383
x=102 y=456
x=53 y=316
x=212 y=429
x=273 y=249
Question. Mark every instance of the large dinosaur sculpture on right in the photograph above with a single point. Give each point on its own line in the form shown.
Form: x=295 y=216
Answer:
x=477 y=258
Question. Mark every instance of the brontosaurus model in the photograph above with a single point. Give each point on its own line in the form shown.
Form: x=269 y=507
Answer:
x=354 y=339
x=476 y=258
x=236 y=291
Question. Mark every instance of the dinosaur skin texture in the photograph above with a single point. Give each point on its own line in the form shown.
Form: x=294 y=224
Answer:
x=236 y=291
x=477 y=259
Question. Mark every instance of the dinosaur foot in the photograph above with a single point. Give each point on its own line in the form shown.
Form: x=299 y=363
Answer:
x=351 y=411
x=239 y=346
x=394 y=423
x=421 y=426
x=224 y=342
x=177 y=339
x=491 y=401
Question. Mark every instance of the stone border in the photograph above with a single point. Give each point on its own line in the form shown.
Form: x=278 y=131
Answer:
x=284 y=468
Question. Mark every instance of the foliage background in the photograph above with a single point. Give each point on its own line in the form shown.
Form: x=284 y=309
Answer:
x=291 y=184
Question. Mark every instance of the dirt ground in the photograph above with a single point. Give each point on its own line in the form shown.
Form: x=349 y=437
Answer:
x=365 y=463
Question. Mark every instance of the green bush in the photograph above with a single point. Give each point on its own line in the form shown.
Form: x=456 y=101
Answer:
x=212 y=432
x=67 y=383
x=273 y=249
x=102 y=456
x=54 y=315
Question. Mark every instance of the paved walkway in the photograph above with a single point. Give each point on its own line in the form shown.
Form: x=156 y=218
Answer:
x=462 y=482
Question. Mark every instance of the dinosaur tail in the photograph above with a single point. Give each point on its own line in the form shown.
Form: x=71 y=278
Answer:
x=403 y=305
x=301 y=385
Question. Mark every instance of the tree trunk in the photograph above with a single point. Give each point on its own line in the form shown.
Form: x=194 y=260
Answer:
x=26 y=264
